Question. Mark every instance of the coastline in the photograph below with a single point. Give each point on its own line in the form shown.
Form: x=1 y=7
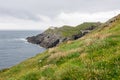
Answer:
x=14 y=48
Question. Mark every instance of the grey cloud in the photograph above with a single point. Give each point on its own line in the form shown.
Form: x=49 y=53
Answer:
x=18 y=14
x=29 y=9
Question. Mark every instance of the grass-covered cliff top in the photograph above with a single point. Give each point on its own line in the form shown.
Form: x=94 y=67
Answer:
x=68 y=31
x=96 y=56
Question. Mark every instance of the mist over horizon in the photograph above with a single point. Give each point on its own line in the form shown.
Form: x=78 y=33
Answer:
x=40 y=15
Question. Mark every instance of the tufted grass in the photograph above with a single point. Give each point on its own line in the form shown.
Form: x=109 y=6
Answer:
x=95 y=56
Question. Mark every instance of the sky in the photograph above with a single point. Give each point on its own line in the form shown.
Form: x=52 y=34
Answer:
x=42 y=14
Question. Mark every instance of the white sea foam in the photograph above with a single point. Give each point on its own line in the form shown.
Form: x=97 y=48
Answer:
x=14 y=39
x=19 y=39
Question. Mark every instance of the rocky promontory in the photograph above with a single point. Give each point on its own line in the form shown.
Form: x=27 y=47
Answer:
x=54 y=36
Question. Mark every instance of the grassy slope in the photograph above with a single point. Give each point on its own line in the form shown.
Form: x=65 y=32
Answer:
x=96 y=56
x=69 y=31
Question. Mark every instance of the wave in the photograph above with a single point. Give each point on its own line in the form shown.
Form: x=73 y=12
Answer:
x=19 y=39
x=14 y=39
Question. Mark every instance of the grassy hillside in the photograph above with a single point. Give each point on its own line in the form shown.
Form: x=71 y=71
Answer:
x=96 y=56
x=69 y=31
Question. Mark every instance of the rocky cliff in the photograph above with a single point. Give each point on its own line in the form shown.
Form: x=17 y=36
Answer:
x=54 y=36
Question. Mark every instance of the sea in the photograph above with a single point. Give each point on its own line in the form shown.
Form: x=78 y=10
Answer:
x=14 y=47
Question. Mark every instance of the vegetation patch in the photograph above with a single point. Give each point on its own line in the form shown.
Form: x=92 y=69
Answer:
x=96 y=56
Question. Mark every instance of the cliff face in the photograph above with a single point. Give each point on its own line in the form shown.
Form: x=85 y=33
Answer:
x=54 y=36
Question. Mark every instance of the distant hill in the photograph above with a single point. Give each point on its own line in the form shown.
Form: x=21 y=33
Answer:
x=54 y=36
x=95 y=56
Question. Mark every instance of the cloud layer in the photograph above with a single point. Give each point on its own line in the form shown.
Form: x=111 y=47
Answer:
x=40 y=14
x=43 y=22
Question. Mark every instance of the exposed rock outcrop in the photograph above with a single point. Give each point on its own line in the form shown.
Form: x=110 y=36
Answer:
x=54 y=36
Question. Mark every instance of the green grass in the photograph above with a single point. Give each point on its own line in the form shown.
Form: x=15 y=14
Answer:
x=69 y=31
x=29 y=76
x=96 y=56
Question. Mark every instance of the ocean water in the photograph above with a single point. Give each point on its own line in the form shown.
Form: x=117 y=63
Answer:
x=14 y=48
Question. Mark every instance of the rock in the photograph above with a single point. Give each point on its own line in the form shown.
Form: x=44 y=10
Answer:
x=110 y=21
x=54 y=36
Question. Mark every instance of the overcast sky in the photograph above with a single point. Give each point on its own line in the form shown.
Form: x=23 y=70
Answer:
x=41 y=14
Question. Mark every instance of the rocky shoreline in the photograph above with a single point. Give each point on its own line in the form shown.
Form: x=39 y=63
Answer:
x=54 y=36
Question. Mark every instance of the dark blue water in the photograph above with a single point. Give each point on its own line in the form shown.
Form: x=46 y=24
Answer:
x=14 y=48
